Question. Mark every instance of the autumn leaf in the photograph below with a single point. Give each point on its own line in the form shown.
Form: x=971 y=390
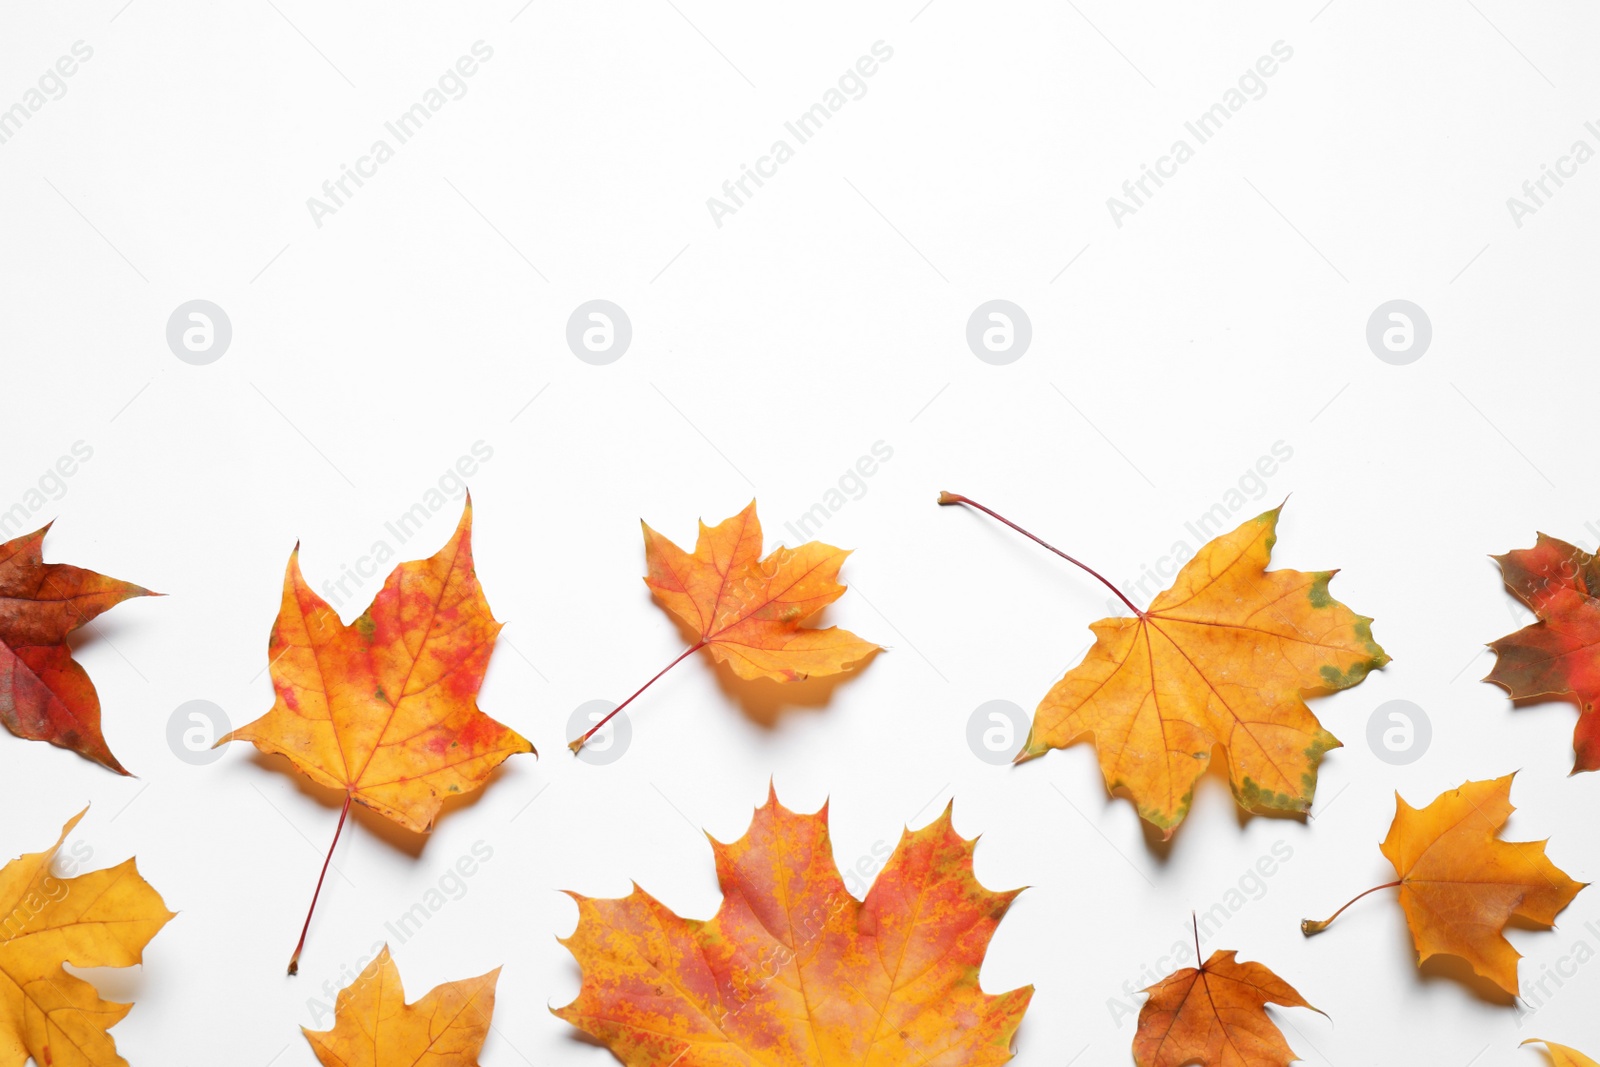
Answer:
x=1215 y=1016
x=747 y=610
x=1559 y=655
x=1223 y=657
x=386 y=709
x=793 y=971
x=45 y=695
x=374 y=1026
x=100 y=919
x=1460 y=883
x=1561 y=1055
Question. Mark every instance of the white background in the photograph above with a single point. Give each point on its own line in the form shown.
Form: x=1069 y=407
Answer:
x=769 y=354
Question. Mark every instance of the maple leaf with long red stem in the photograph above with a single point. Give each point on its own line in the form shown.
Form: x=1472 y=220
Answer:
x=385 y=709
x=1224 y=658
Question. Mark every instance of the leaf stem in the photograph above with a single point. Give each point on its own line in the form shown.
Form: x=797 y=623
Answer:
x=294 y=961
x=956 y=498
x=1309 y=927
x=579 y=743
x=1199 y=961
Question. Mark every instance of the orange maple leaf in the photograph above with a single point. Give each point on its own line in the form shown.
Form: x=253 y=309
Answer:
x=1460 y=883
x=748 y=611
x=793 y=971
x=100 y=919
x=1559 y=655
x=1222 y=658
x=1561 y=1055
x=375 y=1027
x=45 y=695
x=386 y=709
x=1215 y=1015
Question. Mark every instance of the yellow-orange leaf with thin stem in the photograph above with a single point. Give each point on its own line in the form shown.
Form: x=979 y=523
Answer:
x=748 y=610
x=1460 y=883
x=1224 y=658
x=386 y=709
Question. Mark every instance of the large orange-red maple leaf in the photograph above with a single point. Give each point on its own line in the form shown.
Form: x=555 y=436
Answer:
x=793 y=971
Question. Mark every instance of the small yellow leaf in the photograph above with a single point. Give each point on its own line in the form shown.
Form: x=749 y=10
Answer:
x=375 y=1027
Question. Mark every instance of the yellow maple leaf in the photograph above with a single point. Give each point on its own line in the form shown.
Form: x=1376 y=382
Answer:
x=1223 y=658
x=375 y=1027
x=100 y=919
x=1460 y=883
